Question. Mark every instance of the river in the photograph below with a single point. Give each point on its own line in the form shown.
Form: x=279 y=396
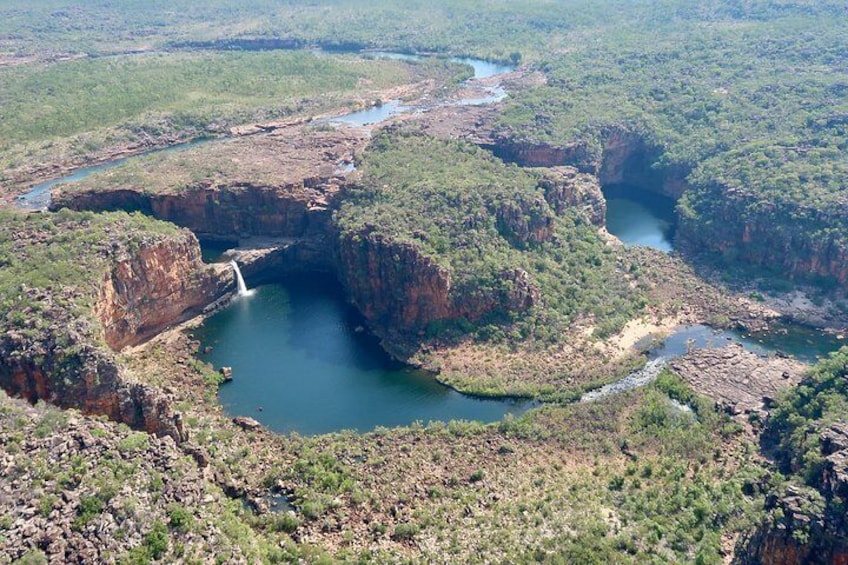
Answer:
x=302 y=363
x=638 y=217
x=38 y=197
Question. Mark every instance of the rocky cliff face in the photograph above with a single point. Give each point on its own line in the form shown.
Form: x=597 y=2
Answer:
x=67 y=370
x=146 y=290
x=777 y=234
x=805 y=525
x=527 y=154
x=627 y=158
x=524 y=221
x=617 y=156
x=566 y=187
x=138 y=284
x=215 y=212
x=400 y=291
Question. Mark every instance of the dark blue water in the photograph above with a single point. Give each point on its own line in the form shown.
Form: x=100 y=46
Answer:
x=637 y=217
x=296 y=354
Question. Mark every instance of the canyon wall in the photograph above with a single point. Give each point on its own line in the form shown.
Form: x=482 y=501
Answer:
x=617 y=156
x=55 y=354
x=215 y=212
x=567 y=188
x=157 y=285
x=401 y=291
x=82 y=376
x=530 y=154
x=807 y=525
x=780 y=235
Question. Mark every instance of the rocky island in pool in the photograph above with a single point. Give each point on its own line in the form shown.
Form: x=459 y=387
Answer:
x=386 y=283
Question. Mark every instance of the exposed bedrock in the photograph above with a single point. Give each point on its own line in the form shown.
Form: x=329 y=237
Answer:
x=400 y=290
x=91 y=381
x=155 y=286
x=806 y=525
x=568 y=188
x=215 y=212
x=739 y=381
x=782 y=235
x=145 y=288
x=618 y=156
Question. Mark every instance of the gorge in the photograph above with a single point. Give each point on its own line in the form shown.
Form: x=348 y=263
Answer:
x=399 y=290
x=385 y=311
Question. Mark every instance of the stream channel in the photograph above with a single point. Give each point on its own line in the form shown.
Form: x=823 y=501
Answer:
x=639 y=217
x=302 y=363
x=300 y=357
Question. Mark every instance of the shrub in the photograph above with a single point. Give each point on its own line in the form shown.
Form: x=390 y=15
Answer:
x=405 y=531
x=179 y=518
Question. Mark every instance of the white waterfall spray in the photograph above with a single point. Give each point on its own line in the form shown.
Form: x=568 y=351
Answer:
x=242 y=288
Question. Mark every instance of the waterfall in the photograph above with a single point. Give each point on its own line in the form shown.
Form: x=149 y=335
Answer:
x=242 y=288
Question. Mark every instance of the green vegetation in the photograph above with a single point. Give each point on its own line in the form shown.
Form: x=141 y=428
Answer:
x=495 y=29
x=56 y=254
x=67 y=111
x=747 y=98
x=632 y=479
x=77 y=477
x=808 y=409
x=180 y=91
x=479 y=218
x=751 y=105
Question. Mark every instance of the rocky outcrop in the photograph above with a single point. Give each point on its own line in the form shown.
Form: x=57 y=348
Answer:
x=140 y=277
x=739 y=381
x=524 y=221
x=528 y=154
x=278 y=186
x=616 y=156
x=148 y=289
x=802 y=242
x=85 y=490
x=567 y=188
x=401 y=291
x=221 y=212
x=805 y=525
x=68 y=371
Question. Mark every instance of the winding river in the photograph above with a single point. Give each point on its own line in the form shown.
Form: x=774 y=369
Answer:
x=637 y=217
x=38 y=197
x=302 y=362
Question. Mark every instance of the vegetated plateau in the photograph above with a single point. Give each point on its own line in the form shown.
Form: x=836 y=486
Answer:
x=471 y=240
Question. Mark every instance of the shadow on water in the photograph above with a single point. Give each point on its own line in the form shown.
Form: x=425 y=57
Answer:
x=299 y=353
x=639 y=217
